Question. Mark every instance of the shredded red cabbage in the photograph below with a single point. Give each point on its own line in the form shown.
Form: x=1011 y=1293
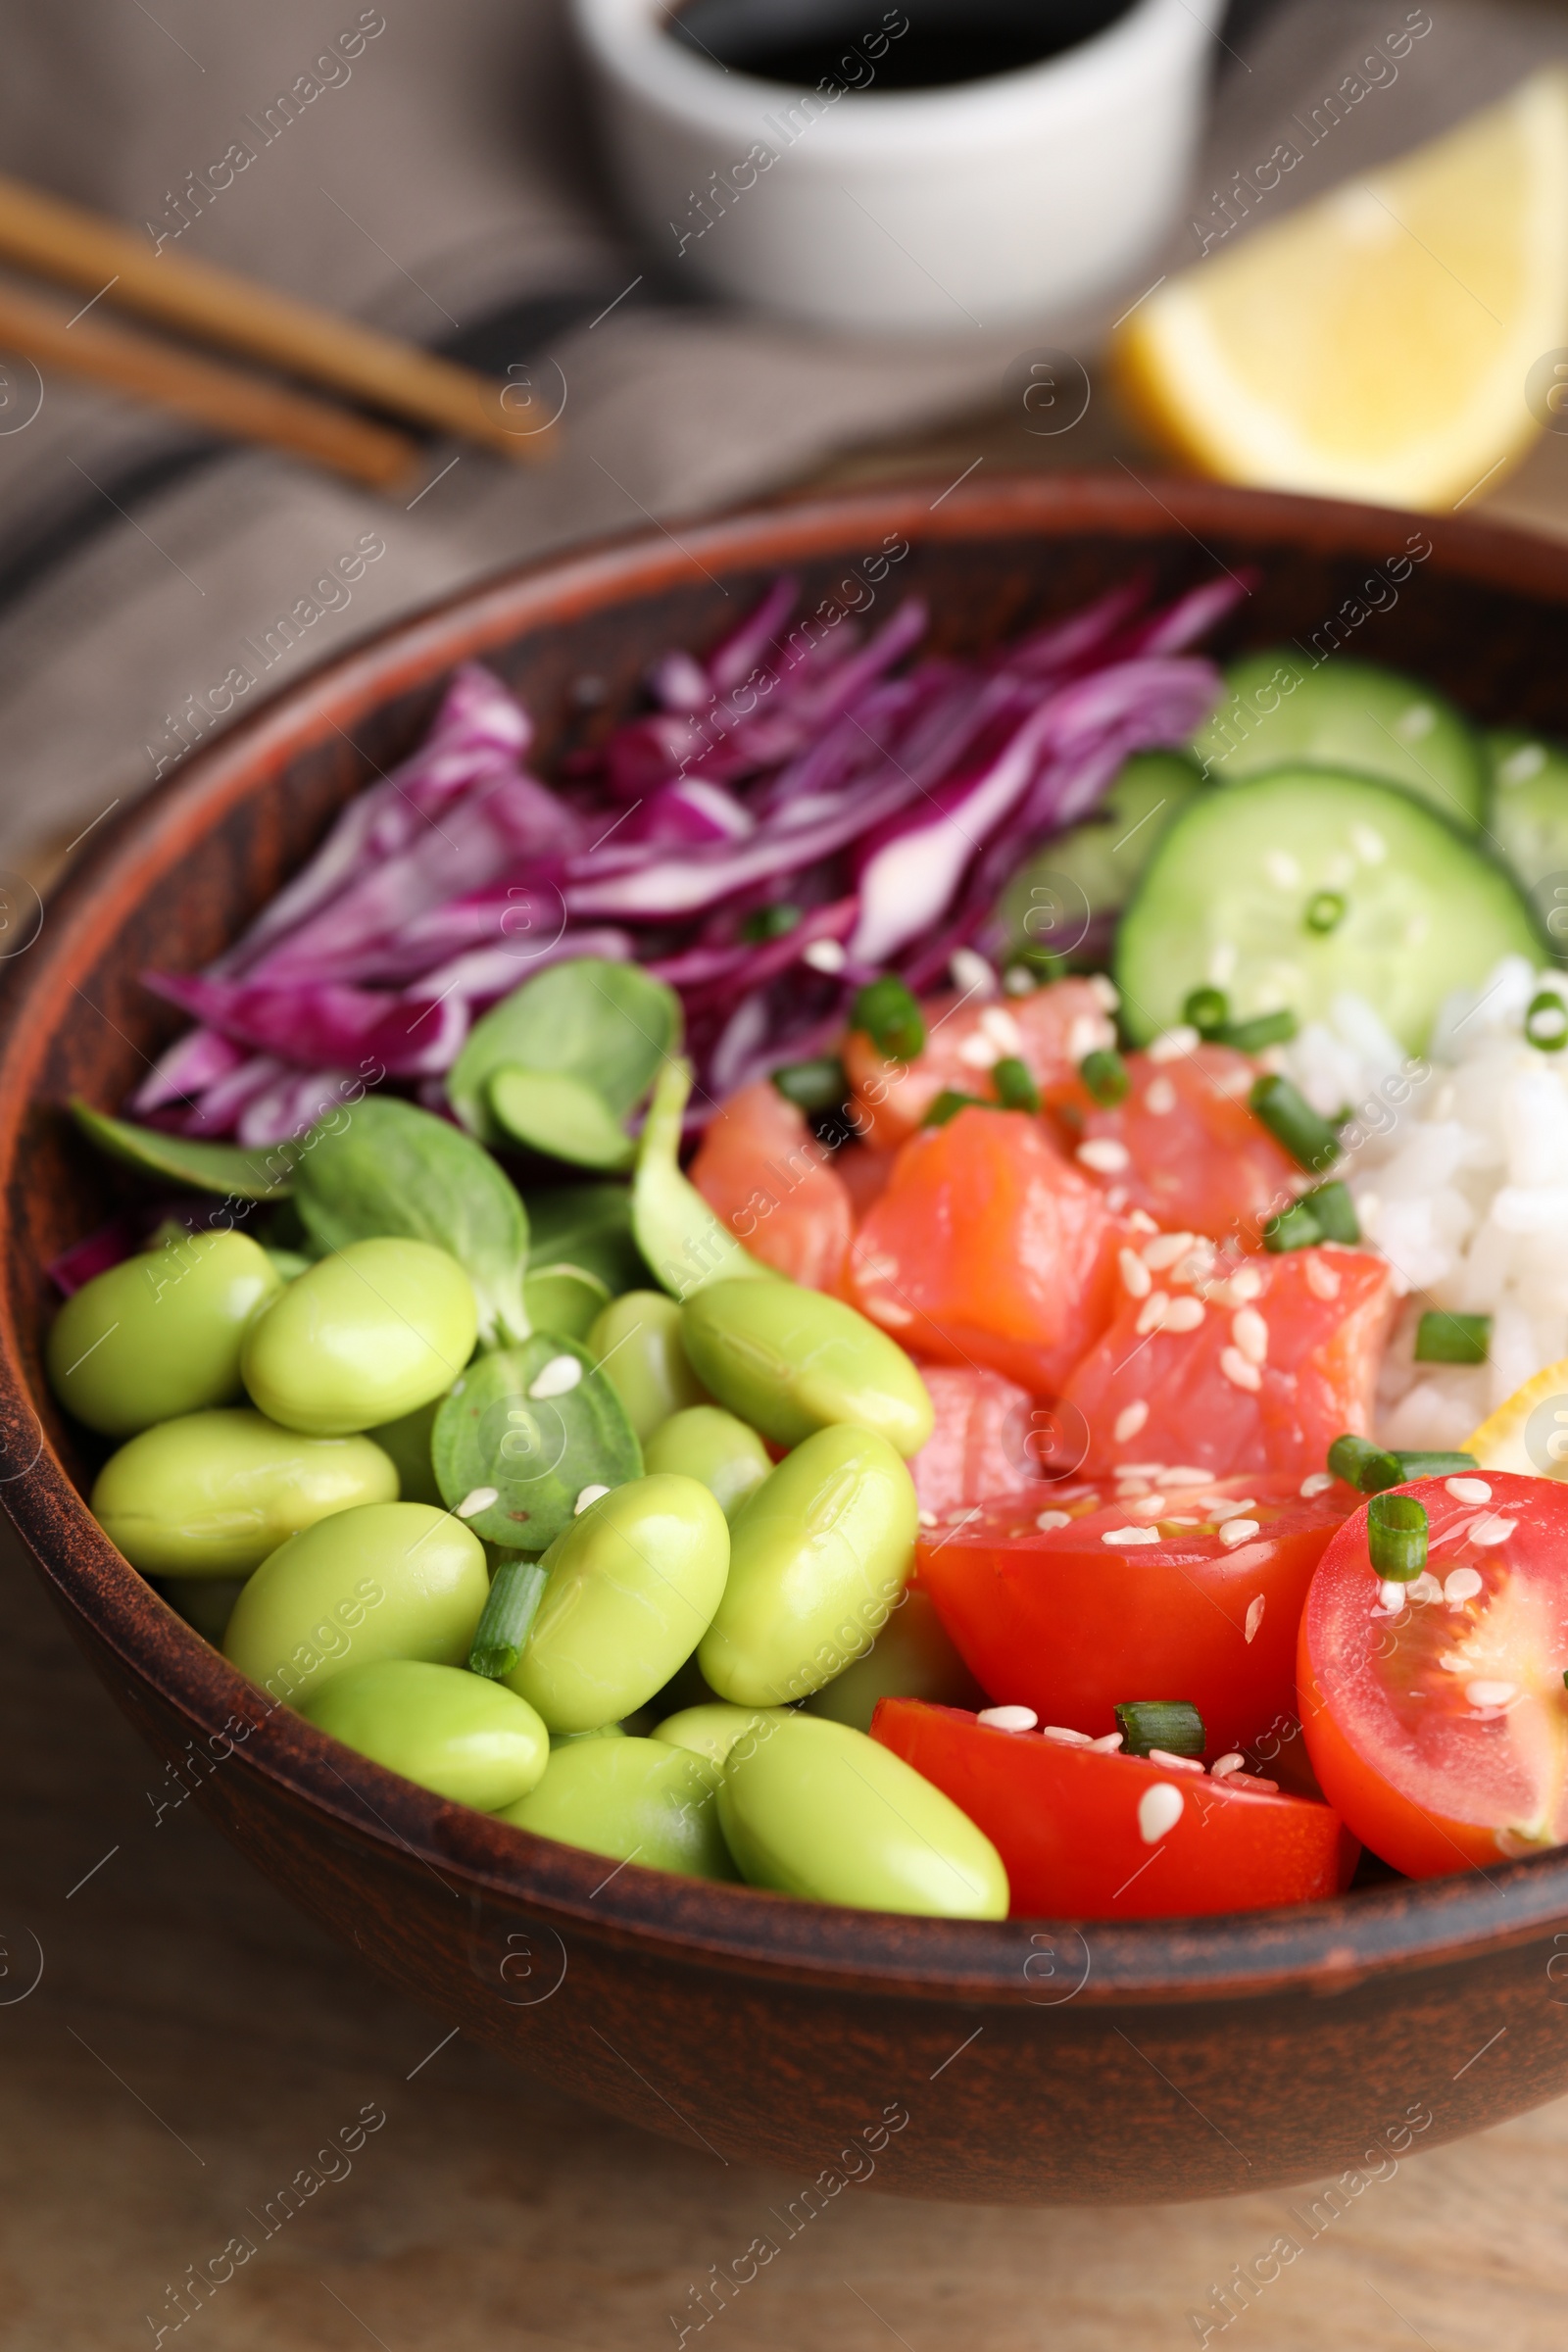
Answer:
x=797 y=812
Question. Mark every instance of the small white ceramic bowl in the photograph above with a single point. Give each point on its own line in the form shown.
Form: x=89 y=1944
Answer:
x=1014 y=198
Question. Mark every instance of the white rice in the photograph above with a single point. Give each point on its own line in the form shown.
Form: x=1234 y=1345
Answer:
x=1461 y=1178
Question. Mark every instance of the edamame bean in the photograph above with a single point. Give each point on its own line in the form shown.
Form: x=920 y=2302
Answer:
x=633 y=1800
x=633 y=1583
x=390 y=1580
x=820 y=1810
x=213 y=1493
x=408 y=1441
x=466 y=1739
x=364 y=1336
x=817 y=1557
x=636 y=1345
x=911 y=1657
x=714 y=1729
x=709 y=1445
x=160 y=1334
x=790 y=1360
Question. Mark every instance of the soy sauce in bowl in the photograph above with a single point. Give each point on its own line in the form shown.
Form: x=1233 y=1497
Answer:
x=858 y=44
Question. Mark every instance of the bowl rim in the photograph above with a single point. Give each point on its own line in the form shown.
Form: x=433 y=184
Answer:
x=738 y=1929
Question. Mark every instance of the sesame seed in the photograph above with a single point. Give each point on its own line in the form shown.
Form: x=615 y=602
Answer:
x=1130 y=1534
x=563 y=1372
x=1132 y=1486
x=1255 y=1608
x=1254 y=1781
x=1196 y=1266
x=1159 y=1097
x=1174 y=1045
x=1107 y=1745
x=1088 y=1033
x=1116 y=1198
x=589 y=1495
x=1318 y=1481
x=1151 y=1314
x=1104 y=1155
x=1059 y=1731
x=1462 y=1585
x=1049 y=1520
x=928 y=1518
x=1142 y=1222
x=1163 y=1755
x=1184 y=1476
x=1490 y=1695
x=1425 y=1589
x=1165 y=1249
x=1136 y=1278
x=1468 y=1490
x=1001 y=1029
x=825 y=956
x=1391 y=1597
x=1230 y=1506
x=1238 y=1371
x=1160 y=1809
x=969 y=971
x=1105 y=992
x=977 y=1052
x=1130 y=1420
x=1184 y=1314
x=477 y=1499
x=1238 y=1531
x=1491 y=1531
x=1151 y=1507
x=1246 y=1283
x=1223 y=1766
x=1321 y=1279
x=1018 y=980
x=1140 y=1469
x=1007 y=1719
x=1250 y=1334
x=890 y=1312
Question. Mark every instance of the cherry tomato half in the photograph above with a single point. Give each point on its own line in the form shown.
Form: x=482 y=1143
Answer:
x=1434 y=1712
x=1069 y=1605
x=1091 y=1836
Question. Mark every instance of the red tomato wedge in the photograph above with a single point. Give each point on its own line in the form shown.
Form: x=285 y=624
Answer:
x=1439 y=1726
x=1090 y=1836
x=1227 y=1365
x=988 y=1247
x=981 y=1443
x=1070 y=1604
x=1183 y=1146
x=1050 y=1031
x=761 y=1169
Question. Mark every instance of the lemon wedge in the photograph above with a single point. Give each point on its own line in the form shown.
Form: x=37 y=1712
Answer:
x=1500 y=1443
x=1376 y=342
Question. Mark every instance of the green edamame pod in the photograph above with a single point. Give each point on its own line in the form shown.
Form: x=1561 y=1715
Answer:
x=817 y=1557
x=911 y=1657
x=468 y=1739
x=634 y=1801
x=820 y=1810
x=685 y=1245
x=212 y=1493
x=710 y=1446
x=636 y=1345
x=633 y=1583
x=408 y=1441
x=161 y=1334
x=390 y=1580
x=790 y=1360
x=364 y=1336
x=712 y=1731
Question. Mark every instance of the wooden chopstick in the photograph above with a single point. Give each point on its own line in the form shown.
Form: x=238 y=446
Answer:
x=96 y=256
x=246 y=408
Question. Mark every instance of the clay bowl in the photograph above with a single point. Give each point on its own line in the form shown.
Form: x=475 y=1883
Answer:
x=1032 y=2061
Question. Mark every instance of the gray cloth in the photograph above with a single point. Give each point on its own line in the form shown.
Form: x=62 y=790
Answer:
x=445 y=169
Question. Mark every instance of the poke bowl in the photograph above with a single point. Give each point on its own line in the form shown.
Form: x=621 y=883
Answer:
x=1068 y=2042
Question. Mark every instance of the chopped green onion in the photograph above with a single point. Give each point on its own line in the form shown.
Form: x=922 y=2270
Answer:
x=1291 y=1121
x=1207 y=1011
x=770 y=922
x=1104 y=1073
x=1363 y=1465
x=949 y=1104
x=1015 y=1083
x=1546 y=1021
x=1268 y=1029
x=509 y=1613
x=819 y=1085
x=1414 y=1464
x=1294 y=1228
x=891 y=1018
x=1173 y=1724
x=1444 y=1339
x=1325 y=910
x=1397 y=1537
x=1334 y=1209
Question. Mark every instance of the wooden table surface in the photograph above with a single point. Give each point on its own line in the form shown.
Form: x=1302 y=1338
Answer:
x=192 y=2042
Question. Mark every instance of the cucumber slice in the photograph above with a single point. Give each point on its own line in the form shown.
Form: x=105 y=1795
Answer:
x=1287 y=889
x=1281 y=710
x=1105 y=855
x=1528 y=819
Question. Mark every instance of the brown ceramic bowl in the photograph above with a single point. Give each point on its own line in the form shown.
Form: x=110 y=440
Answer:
x=1030 y=2061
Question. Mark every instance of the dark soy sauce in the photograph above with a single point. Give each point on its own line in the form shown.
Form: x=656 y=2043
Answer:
x=805 y=42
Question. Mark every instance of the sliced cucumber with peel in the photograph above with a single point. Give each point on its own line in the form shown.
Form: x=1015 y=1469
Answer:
x=1528 y=821
x=1105 y=855
x=1289 y=888
x=1279 y=709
